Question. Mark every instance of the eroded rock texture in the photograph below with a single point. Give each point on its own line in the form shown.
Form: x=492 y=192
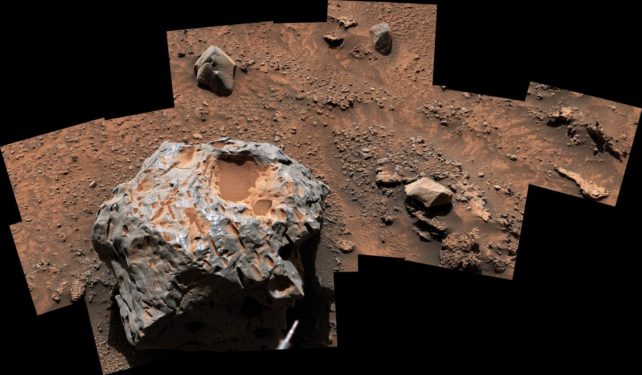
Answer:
x=588 y=188
x=461 y=251
x=205 y=244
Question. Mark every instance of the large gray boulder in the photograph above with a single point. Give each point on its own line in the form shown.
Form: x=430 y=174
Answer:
x=429 y=193
x=381 y=38
x=205 y=242
x=215 y=70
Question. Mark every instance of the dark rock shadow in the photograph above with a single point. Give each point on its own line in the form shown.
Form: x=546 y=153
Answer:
x=313 y=310
x=429 y=229
x=135 y=357
x=412 y=205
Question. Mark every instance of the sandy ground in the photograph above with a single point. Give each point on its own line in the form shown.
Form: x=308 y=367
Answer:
x=346 y=113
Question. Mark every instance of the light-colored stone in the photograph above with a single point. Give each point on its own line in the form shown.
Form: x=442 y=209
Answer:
x=381 y=38
x=478 y=207
x=345 y=246
x=333 y=40
x=602 y=141
x=215 y=70
x=388 y=178
x=429 y=192
x=205 y=243
x=588 y=188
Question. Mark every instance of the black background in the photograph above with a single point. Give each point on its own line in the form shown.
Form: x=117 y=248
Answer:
x=577 y=273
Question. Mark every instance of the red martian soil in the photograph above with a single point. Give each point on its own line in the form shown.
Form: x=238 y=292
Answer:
x=347 y=113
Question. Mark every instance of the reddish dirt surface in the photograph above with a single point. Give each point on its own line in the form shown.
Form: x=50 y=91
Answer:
x=343 y=112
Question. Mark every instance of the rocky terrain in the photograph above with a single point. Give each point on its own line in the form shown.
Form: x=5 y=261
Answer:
x=365 y=123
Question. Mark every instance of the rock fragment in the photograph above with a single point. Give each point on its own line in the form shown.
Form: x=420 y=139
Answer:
x=216 y=71
x=244 y=65
x=589 y=189
x=333 y=40
x=429 y=193
x=386 y=178
x=381 y=38
x=345 y=246
x=461 y=251
x=357 y=53
x=602 y=141
x=387 y=219
x=562 y=116
x=423 y=235
x=460 y=261
x=436 y=227
x=478 y=207
x=346 y=22
x=499 y=265
x=77 y=290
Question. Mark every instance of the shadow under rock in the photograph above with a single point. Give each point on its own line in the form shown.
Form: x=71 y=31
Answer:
x=313 y=310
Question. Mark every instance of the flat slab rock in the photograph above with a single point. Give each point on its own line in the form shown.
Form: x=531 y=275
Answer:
x=429 y=192
x=205 y=242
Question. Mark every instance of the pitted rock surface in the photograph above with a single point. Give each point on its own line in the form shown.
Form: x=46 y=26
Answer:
x=205 y=241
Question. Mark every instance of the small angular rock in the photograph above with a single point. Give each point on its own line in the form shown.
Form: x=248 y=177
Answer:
x=381 y=38
x=429 y=192
x=387 y=219
x=423 y=235
x=602 y=141
x=499 y=265
x=77 y=290
x=333 y=40
x=345 y=246
x=386 y=178
x=216 y=71
x=436 y=227
x=346 y=22
x=562 y=116
x=478 y=207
